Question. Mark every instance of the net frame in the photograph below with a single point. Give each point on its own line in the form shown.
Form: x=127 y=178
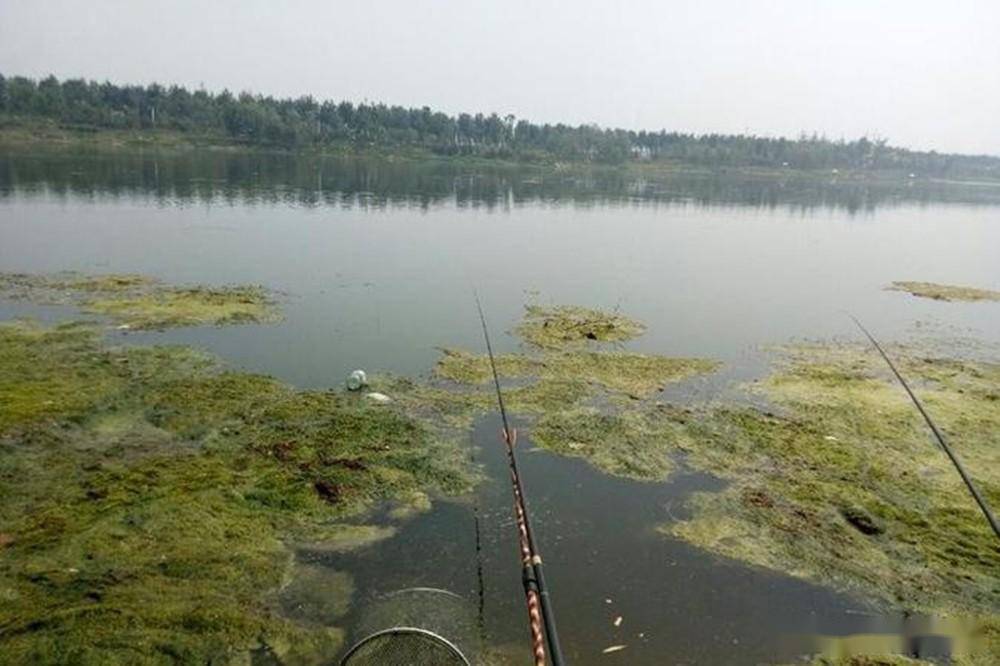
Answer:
x=434 y=637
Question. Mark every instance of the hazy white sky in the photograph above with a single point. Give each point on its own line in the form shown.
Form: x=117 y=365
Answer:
x=922 y=73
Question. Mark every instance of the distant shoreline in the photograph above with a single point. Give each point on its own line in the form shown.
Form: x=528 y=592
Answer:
x=21 y=135
x=89 y=113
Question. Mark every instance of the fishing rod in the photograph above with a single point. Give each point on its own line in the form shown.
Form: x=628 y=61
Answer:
x=934 y=429
x=532 y=576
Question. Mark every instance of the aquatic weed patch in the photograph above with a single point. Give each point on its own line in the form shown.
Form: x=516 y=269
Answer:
x=140 y=302
x=561 y=326
x=628 y=444
x=945 y=292
x=196 y=306
x=155 y=518
x=628 y=373
x=51 y=373
x=583 y=401
x=842 y=485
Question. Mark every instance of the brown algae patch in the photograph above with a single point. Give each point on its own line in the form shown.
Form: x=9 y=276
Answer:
x=155 y=518
x=843 y=485
x=140 y=302
x=561 y=326
x=945 y=292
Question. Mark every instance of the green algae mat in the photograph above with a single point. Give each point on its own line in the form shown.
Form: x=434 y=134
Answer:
x=142 y=303
x=837 y=481
x=945 y=292
x=152 y=501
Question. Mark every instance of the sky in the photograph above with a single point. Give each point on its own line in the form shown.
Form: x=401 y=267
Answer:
x=923 y=74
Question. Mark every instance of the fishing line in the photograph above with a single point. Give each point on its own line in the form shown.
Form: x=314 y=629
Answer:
x=480 y=584
x=934 y=429
x=533 y=578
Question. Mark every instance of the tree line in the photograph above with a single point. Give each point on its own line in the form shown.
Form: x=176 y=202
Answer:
x=305 y=122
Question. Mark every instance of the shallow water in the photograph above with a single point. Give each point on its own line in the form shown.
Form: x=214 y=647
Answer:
x=378 y=261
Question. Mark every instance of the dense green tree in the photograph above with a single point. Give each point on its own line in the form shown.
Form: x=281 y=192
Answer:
x=304 y=121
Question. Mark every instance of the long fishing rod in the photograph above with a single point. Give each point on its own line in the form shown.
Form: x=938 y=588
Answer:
x=533 y=577
x=934 y=429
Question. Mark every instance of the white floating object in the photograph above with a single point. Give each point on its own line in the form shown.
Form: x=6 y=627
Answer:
x=618 y=621
x=613 y=648
x=356 y=380
x=380 y=398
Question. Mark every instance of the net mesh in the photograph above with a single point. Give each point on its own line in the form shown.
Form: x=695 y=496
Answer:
x=415 y=626
x=405 y=647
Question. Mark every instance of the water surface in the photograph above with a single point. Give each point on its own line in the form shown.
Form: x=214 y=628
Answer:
x=378 y=259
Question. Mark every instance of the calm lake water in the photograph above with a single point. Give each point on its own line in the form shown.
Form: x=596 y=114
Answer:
x=378 y=260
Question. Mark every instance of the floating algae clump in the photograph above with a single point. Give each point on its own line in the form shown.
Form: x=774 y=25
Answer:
x=634 y=375
x=843 y=485
x=631 y=374
x=140 y=302
x=560 y=326
x=628 y=444
x=468 y=368
x=148 y=514
x=944 y=292
x=562 y=379
x=198 y=306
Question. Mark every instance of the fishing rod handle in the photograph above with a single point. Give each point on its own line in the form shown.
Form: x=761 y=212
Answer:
x=535 y=622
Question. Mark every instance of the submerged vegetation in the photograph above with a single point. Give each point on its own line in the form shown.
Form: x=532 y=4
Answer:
x=156 y=506
x=842 y=485
x=140 y=302
x=836 y=482
x=628 y=443
x=563 y=326
x=152 y=502
x=583 y=399
x=945 y=292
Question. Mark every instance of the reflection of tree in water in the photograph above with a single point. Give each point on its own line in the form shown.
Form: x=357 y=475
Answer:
x=244 y=177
